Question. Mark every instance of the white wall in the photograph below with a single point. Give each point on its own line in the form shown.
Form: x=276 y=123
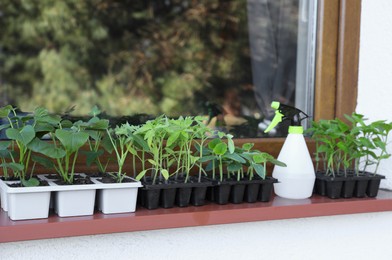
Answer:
x=340 y=237
x=375 y=69
x=361 y=236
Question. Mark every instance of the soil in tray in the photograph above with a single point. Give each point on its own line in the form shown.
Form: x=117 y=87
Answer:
x=108 y=178
x=18 y=185
x=77 y=181
x=52 y=177
x=9 y=179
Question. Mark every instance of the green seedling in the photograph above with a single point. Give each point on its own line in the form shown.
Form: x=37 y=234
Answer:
x=99 y=141
x=341 y=147
x=154 y=132
x=24 y=130
x=123 y=140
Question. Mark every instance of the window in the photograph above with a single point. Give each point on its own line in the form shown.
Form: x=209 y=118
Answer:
x=336 y=57
x=151 y=57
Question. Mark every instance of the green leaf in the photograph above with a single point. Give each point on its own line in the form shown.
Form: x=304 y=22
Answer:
x=247 y=146
x=184 y=135
x=42 y=115
x=66 y=124
x=140 y=175
x=259 y=158
x=50 y=119
x=221 y=134
x=193 y=159
x=379 y=143
x=95 y=135
x=100 y=124
x=235 y=157
x=234 y=167
x=32 y=182
x=207 y=158
x=4 y=126
x=5 y=154
x=72 y=141
x=173 y=138
x=212 y=165
x=95 y=111
x=150 y=137
x=220 y=149
x=40 y=112
x=43 y=127
x=46 y=148
x=342 y=146
x=4 y=145
x=5 y=111
x=213 y=143
x=91 y=156
x=106 y=143
x=260 y=170
x=197 y=147
x=151 y=161
x=231 y=145
x=170 y=162
x=384 y=156
x=169 y=150
x=247 y=156
x=16 y=167
x=349 y=118
x=277 y=162
x=165 y=174
x=132 y=150
x=25 y=135
x=366 y=142
x=140 y=142
x=43 y=161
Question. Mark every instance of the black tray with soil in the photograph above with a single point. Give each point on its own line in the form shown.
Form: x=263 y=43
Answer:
x=334 y=187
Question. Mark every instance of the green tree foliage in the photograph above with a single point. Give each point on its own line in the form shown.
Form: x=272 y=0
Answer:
x=127 y=56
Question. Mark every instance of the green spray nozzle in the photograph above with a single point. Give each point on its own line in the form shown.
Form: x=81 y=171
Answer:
x=285 y=112
x=276 y=120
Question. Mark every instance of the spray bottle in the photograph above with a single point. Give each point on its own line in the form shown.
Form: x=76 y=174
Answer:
x=295 y=181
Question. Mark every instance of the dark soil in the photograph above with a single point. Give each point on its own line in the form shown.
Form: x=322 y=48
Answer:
x=108 y=178
x=19 y=185
x=77 y=181
x=52 y=176
x=9 y=179
x=99 y=174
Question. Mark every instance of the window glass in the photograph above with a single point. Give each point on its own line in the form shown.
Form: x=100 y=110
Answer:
x=137 y=59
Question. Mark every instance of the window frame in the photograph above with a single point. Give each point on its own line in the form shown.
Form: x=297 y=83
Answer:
x=337 y=58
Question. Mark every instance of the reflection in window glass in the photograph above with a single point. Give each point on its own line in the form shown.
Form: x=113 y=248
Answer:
x=224 y=59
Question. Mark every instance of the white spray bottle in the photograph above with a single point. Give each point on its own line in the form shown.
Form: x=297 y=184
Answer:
x=295 y=181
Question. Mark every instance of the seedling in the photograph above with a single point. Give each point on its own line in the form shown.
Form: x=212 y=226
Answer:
x=25 y=130
x=123 y=140
x=341 y=147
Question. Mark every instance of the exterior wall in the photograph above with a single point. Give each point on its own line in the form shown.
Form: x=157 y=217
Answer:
x=375 y=69
x=361 y=236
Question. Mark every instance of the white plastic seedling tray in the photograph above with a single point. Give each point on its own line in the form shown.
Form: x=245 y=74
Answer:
x=117 y=197
x=96 y=186
x=25 y=202
x=108 y=194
